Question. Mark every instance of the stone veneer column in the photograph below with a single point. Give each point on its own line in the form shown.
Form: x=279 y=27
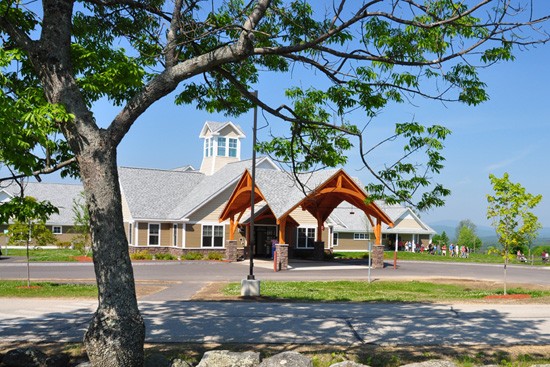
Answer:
x=377 y=260
x=231 y=252
x=319 y=251
x=282 y=256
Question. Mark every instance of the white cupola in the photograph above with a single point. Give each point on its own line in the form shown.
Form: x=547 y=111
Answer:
x=222 y=145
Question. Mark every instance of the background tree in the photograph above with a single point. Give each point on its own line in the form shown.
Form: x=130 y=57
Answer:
x=465 y=223
x=81 y=224
x=509 y=209
x=466 y=235
x=441 y=239
x=60 y=57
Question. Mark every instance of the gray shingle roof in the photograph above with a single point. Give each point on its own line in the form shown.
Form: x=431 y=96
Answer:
x=217 y=126
x=215 y=184
x=281 y=190
x=154 y=193
x=346 y=218
x=60 y=195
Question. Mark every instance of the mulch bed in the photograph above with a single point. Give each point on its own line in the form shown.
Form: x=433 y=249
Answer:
x=83 y=259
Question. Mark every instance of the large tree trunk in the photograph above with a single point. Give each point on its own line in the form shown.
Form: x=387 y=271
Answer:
x=117 y=333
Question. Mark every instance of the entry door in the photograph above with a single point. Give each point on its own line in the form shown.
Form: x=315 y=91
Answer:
x=264 y=235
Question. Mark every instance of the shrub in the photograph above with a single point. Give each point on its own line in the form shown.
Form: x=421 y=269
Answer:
x=141 y=255
x=193 y=256
x=215 y=256
x=64 y=244
x=166 y=256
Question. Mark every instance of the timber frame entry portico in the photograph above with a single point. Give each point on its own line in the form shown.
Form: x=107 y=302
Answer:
x=320 y=201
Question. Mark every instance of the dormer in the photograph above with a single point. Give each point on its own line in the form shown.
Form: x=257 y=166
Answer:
x=222 y=145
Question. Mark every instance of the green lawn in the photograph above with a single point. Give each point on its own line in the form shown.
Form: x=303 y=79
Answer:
x=379 y=291
x=402 y=255
x=17 y=288
x=44 y=254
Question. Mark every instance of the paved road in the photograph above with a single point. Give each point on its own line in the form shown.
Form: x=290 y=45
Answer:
x=181 y=280
x=171 y=317
x=297 y=323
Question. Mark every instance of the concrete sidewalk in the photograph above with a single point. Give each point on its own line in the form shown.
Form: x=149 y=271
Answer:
x=297 y=323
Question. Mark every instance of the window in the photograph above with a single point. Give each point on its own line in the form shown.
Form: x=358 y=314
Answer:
x=221 y=147
x=306 y=237
x=130 y=233
x=57 y=230
x=360 y=236
x=207 y=147
x=175 y=234
x=154 y=234
x=335 y=239
x=212 y=236
x=232 y=147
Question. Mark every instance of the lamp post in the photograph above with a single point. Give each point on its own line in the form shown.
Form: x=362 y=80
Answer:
x=252 y=194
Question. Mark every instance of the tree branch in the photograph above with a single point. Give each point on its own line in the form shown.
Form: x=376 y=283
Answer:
x=43 y=171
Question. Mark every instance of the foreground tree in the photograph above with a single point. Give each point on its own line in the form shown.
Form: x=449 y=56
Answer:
x=60 y=58
x=509 y=210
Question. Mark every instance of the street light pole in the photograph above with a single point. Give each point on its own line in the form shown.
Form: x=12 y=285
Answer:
x=252 y=194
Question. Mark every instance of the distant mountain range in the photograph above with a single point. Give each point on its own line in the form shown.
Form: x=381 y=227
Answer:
x=485 y=233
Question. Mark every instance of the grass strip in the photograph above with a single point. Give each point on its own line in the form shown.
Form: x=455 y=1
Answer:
x=379 y=291
x=36 y=255
x=18 y=288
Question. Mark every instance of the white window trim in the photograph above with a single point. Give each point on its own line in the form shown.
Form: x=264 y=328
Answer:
x=213 y=225
x=149 y=234
x=60 y=230
x=360 y=236
x=136 y=233
x=175 y=234
x=184 y=234
x=307 y=230
x=218 y=146
x=337 y=239
x=130 y=233
x=237 y=155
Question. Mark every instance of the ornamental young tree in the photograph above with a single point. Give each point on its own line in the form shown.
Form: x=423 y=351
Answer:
x=509 y=209
x=60 y=57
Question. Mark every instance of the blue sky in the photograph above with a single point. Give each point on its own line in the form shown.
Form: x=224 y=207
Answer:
x=510 y=133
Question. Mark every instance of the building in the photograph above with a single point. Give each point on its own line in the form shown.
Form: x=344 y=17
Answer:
x=186 y=210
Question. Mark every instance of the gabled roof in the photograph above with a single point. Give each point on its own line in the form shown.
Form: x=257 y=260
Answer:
x=184 y=168
x=216 y=127
x=5 y=195
x=60 y=195
x=346 y=218
x=319 y=192
x=213 y=185
x=154 y=193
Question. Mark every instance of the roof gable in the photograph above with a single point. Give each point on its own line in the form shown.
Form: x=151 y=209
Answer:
x=319 y=192
x=211 y=128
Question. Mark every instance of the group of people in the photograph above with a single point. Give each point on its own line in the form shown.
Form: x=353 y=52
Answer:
x=434 y=249
x=544 y=256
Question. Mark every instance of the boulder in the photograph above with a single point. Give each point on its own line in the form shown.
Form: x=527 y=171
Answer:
x=156 y=360
x=225 y=358
x=432 y=363
x=348 y=364
x=179 y=363
x=287 y=359
x=24 y=357
x=58 y=360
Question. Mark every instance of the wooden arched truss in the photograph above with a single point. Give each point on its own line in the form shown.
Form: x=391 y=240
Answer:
x=319 y=202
